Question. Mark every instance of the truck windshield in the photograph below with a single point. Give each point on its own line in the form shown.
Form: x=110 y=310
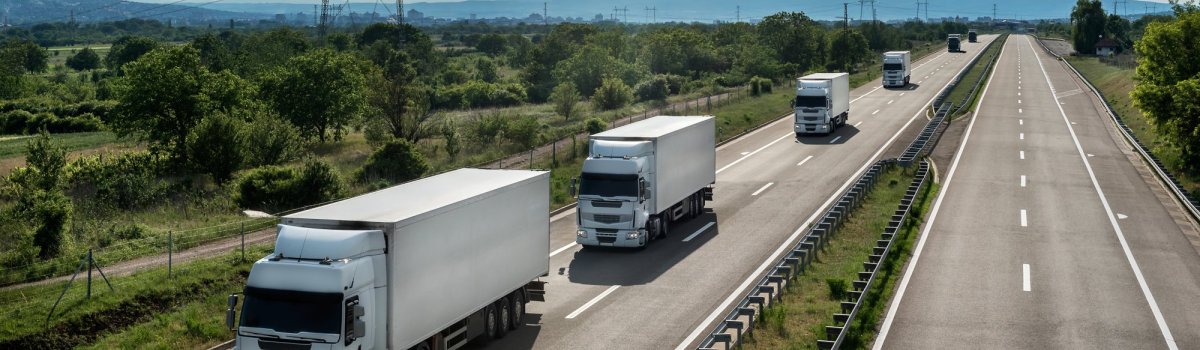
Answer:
x=893 y=66
x=292 y=311
x=810 y=101
x=608 y=185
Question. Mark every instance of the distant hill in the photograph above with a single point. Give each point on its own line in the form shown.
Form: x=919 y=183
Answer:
x=20 y=12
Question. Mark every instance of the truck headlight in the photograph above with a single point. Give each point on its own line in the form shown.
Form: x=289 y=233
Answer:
x=581 y=234
x=633 y=235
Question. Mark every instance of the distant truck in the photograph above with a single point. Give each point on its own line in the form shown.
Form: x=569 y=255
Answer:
x=897 y=68
x=954 y=43
x=822 y=103
x=972 y=37
x=641 y=177
x=430 y=264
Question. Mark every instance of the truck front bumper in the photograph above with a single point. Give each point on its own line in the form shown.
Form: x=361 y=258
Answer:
x=611 y=238
x=811 y=128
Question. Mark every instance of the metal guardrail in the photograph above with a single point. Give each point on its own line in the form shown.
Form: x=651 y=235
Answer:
x=982 y=76
x=1190 y=204
x=739 y=322
x=879 y=253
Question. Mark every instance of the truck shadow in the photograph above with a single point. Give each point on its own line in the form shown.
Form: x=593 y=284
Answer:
x=627 y=267
x=909 y=87
x=843 y=134
x=522 y=338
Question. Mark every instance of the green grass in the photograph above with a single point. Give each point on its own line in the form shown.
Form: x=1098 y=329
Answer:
x=14 y=145
x=163 y=312
x=1116 y=84
x=807 y=305
x=976 y=74
x=58 y=55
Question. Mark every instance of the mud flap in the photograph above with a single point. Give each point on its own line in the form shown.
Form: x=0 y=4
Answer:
x=535 y=291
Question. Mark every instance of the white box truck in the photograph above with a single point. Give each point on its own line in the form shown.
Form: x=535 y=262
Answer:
x=897 y=68
x=430 y=264
x=822 y=103
x=641 y=177
x=954 y=43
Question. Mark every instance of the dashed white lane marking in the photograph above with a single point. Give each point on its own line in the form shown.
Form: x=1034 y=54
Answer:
x=1020 y=110
x=764 y=188
x=857 y=124
x=804 y=161
x=1022 y=154
x=739 y=160
x=745 y=153
x=1022 y=180
x=1025 y=279
x=595 y=300
x=698 y=232
x=1022 y=121
x=1024 y=219
x=876 y=111
x=1122 y=216
x=835 y=139
x=890 y=102
x=1022 y=136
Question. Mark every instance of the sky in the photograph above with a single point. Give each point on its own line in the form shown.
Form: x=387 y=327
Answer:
x=818 y=9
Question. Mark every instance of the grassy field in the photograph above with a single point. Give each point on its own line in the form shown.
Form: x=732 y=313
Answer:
x=977 y=72
x=1116 y=83
x=799 y=319
x=14 y=145
x=163 y=312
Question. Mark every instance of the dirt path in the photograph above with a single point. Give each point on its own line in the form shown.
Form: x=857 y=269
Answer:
x=563 y=146
x=207 y=250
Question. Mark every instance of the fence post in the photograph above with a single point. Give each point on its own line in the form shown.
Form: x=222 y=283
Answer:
x=89 y=280
x=243 y=241
x=554 y=154
x=170 y=252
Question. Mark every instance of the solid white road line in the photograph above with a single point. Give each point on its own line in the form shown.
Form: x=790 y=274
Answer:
x=1025 y=280
x=835 y=139
x=764 y=188
x=739 y=160
x=1022 y=180
x=803 y=161
x=1137 y=271
x=583 y=308
x=937 y=205
x=1022 y=154
x=560 y=250
x=857 y=124
x=1024 y=219
x=698 y=232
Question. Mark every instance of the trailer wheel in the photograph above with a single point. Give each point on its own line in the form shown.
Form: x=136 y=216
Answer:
x=423 y=346
x=518 y=310
x=666 y=228
x=489 y=326
x=503 y=318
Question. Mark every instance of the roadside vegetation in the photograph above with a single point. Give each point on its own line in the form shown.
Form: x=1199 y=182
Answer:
x=798 y=320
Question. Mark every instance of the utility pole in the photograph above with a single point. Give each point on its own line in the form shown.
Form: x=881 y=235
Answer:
x=860 y=8
x=739 y=14
x=315 y=22
x=544 y=20
x=993 y=12
x=625 y=13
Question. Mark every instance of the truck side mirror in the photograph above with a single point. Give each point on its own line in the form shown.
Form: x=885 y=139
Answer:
x=231 y=311
x=571 y=189
x=645 y=190
x=360 y=326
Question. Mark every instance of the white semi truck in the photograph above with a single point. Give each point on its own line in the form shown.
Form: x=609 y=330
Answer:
x=897 y=68
x=954 y=43
x=822 y=103
x=641 y=177
x=430 y=264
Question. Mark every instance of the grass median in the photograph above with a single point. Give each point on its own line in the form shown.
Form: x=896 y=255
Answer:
x=976 y=76
x=809 y=302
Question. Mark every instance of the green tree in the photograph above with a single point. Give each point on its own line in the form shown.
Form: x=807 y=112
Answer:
x=128 y=49
x=491 y=44
x=33 y=58
x=39 y=195
x=565 y=99
x=167 y=92
x=395 y=162
x=1168 y=85
x=214 y=54
x=798 y=41
x=322 y=92
x=1118 y=28
x=612 y=94
x=1087 y=25
x=485 y=70
x=588 y=68
x=214 y=147
x=847 y=48
x=271 y=140
x=525 y=132
x=86 y=59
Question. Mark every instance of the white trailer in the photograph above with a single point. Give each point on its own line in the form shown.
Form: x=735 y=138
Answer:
x=430 y=264
x=897 y=68
x=641 y=177
x=822 y=103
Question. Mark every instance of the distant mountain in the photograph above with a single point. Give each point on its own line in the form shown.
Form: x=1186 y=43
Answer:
x=18 y=12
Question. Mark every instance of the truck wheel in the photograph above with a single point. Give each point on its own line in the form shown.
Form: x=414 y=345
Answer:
x=423 y=346
x=666 y=228
x=489 y=326
x=518 y=310
x=503 y=318
x=694 y=209
x=652 y=228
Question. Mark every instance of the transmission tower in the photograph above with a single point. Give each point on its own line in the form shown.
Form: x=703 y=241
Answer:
x=653 y=14
x=324 y=25
x=545 y=20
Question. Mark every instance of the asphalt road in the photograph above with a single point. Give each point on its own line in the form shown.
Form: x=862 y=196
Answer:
x=670 y=294
x=1046 y=234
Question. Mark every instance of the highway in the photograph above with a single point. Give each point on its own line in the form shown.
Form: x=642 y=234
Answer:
x=1048 y=232
x=769 y=185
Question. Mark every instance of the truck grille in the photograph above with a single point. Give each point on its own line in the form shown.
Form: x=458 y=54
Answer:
x=606 y=219
x=606 y=204
x=811 y=119
x=606 y=238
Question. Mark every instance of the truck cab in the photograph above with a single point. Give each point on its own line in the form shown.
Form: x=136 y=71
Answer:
x=336 y=305
x=613 y=197
x=822 y=103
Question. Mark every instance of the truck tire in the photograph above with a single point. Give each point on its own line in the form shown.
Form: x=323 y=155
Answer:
x=489 y=326
x=518 y=310
x=652 y=229
x=665 y=229
x=503 y=317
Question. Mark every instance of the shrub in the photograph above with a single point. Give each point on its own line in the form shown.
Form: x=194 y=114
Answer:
x=275 y=188
x=214 y=147
x=525 y=132
x=485 y=128
x=397 y=161
x=612 y=94
x=14 y=121
x=655 y=89
x=51 y=215
x=270 y=140
x=125 y=181
x=760 y=85
x=837 y=288
x=595 y=126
